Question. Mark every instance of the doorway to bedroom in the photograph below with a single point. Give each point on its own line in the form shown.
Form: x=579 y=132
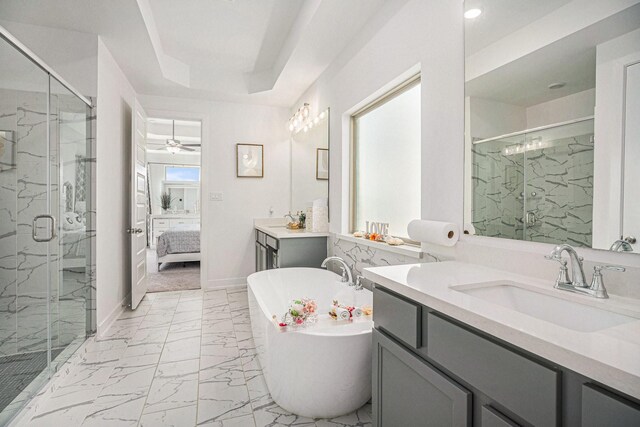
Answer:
x=174 y=203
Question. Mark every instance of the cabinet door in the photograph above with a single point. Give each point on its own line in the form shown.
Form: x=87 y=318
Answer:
x=492 y=418
x=261 y=257
x=603 y=408
x=409 y=392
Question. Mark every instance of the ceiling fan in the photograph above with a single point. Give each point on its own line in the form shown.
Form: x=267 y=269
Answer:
x=175 y=146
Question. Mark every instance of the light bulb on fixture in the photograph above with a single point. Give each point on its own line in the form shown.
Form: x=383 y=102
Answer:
x=305 y=128
x=322 y=115
x=291 y=127
x=472 y=13
x=310 y=125
x=316 y=120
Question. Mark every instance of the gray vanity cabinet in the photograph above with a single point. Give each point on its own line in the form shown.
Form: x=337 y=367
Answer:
x=412 y=393
x=429 y=369
x=289 y=252
x=603 y=408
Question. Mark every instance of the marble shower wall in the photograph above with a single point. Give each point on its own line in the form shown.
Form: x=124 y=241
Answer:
x=25 y=310
x=359 y=256
x=557 y=181
x=562 y=177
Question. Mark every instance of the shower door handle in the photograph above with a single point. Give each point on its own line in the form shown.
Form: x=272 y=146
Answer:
x=52 y=230
x=530 y=218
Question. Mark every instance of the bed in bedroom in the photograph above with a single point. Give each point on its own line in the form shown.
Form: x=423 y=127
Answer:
x=179 y=244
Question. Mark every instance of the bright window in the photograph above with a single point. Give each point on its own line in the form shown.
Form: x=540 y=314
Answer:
x=182 y=173
x=386 y=163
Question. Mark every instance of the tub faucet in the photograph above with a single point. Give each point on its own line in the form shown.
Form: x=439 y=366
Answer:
x=346 y=271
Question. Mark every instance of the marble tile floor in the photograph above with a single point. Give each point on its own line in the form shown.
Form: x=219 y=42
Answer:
x=181 y=359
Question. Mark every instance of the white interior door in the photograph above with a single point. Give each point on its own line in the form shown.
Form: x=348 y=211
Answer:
x=138 y=215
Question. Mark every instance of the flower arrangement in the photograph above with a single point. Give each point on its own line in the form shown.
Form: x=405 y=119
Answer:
x=301 y=312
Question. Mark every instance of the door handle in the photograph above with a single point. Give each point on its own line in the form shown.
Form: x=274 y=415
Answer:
x=530 y=218
x=52 y=231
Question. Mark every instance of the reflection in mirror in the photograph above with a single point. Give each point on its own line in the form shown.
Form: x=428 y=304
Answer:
x=542 y=163
x=310 y=163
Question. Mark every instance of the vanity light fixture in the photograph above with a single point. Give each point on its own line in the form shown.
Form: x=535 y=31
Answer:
x=473 y=13
x=302 y=120
x=534 y=144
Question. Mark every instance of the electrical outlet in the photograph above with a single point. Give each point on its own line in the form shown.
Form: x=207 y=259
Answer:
x=216 y=197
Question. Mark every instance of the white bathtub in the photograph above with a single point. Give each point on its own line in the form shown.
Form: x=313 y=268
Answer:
x=320 y=371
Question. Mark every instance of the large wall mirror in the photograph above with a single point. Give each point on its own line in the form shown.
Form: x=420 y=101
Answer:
x=552 y=121
x=310 y=163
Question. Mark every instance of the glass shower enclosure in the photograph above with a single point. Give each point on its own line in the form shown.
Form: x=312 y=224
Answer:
x=46 y=224
x=536 y=185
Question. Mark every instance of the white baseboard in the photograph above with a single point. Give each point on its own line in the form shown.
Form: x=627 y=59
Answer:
x=225 y=283
x=104 y=326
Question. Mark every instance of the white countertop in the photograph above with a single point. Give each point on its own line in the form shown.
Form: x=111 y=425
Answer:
x=177 y=215
x=277 y=228
x=610 y=356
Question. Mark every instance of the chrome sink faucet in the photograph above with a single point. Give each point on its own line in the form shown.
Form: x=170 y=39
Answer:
x=577 y=273
x=578 y=282
x=346 y=271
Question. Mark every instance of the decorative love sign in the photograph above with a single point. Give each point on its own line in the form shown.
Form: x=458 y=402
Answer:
x=378 y=228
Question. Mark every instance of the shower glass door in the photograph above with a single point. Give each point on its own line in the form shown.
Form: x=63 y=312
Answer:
x=558 y=191
x=536 y=185
x=26 y=274
x=45 y=262
x=69 y=132
x=498 y=187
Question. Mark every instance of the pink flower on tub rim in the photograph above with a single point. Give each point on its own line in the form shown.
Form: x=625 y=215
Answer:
x=310 y=306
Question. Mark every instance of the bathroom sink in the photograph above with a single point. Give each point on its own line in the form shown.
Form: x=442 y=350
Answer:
x=562 y=312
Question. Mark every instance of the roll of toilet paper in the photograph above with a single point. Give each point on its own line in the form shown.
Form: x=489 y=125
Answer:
x=320 y=203
x=469 y=229
x=319 y=220
x=342 y=313
x=436 y=232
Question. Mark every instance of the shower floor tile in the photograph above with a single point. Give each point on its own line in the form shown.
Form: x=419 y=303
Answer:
x=18 y=371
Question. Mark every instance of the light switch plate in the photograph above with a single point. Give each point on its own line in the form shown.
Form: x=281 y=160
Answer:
x=216 y=197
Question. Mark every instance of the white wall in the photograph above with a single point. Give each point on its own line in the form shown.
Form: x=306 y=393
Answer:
x=421 y=36
x=574 y=106
x=227 y=226
x=490 y=118
x=115 y=101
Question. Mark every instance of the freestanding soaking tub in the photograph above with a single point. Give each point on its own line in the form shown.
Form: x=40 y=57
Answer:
x=319 y=371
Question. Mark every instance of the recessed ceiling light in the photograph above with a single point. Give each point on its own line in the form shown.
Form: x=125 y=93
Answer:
x=472 y=13
x=558 y=85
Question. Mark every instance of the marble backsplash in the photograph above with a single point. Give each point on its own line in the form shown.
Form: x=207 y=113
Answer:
x=557 y=181
x=359 y=256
